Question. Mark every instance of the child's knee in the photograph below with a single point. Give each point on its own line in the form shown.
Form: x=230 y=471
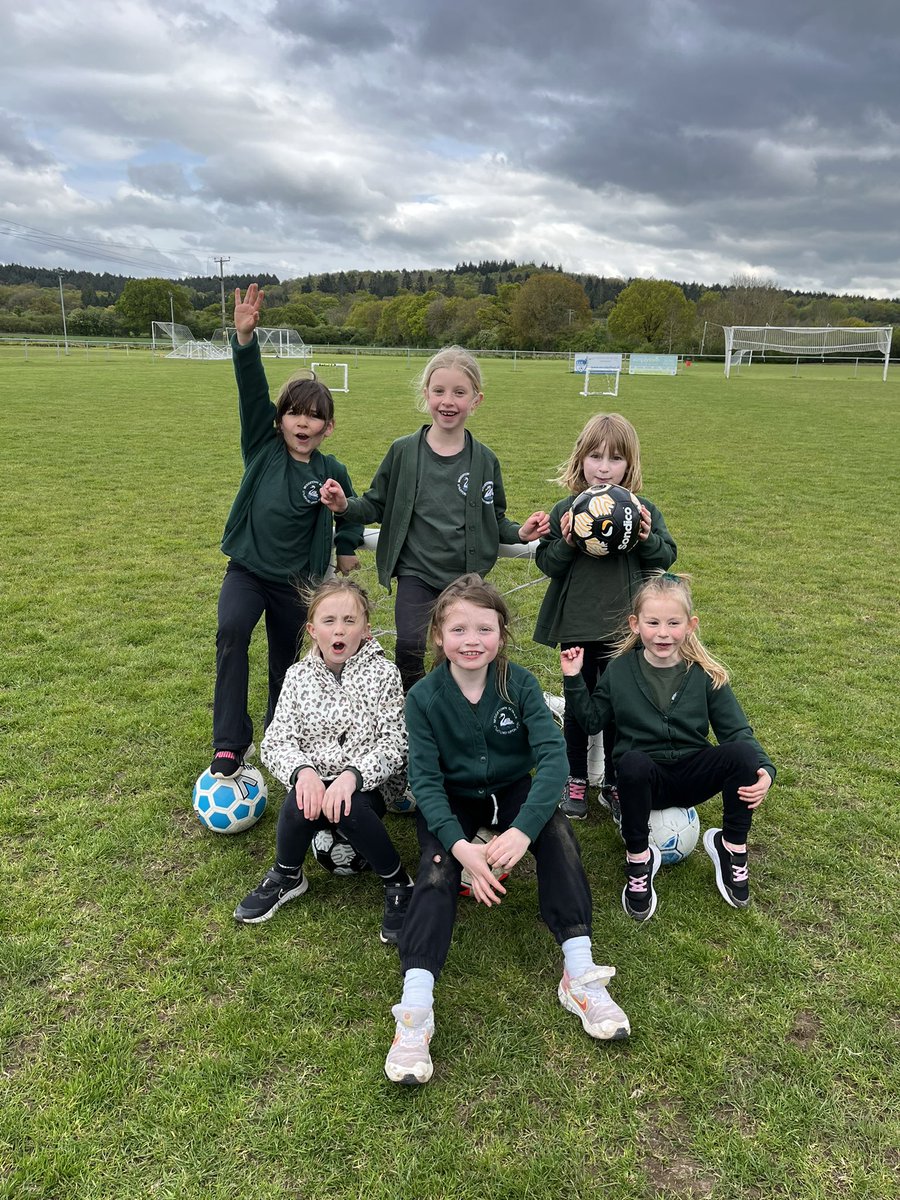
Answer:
x=633 y=767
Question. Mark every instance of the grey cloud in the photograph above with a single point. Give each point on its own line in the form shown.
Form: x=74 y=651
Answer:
x=15 y=146
x=163 y=179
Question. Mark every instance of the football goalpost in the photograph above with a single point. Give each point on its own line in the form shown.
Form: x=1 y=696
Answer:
x=805 y=341
x=333 y=374
x=179 y=342
x=601 y=373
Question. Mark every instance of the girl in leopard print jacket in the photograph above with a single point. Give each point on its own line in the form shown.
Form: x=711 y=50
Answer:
x=338 y=735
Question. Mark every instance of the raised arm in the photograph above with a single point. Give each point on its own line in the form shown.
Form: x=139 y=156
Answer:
x=246 y=313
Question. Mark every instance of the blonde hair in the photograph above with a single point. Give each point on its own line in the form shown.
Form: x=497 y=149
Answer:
x=618 y=436
x=312 y=597
x=450 y=357
x=472 y=589
x=675 y=587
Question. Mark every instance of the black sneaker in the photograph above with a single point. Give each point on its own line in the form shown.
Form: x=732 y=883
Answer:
x=396 y=902
x=263 y=902
x=226 y=764
x=639 y=894
x=574 y=799
x=608 y=798
x=732 y=875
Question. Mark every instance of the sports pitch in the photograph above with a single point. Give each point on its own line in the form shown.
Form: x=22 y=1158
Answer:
x=150 y=1046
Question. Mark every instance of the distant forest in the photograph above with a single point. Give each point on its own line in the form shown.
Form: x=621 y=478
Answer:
x=485 y=305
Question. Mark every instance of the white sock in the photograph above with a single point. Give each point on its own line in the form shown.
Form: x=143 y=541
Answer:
x=418 y=989
x=579 y=955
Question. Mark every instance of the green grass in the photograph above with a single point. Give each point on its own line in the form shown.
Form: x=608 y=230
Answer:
x=150 y=1047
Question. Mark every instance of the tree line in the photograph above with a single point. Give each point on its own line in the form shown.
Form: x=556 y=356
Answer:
x=493 y=304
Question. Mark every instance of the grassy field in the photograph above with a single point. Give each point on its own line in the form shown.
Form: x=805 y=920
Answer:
x=148 y=1046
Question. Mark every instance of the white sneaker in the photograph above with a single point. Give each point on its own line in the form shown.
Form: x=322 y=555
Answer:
x=409 y=1060
x=589 y=1000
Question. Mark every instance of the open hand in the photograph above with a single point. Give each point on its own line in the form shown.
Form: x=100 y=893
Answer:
x=485 y=888
x=537 y=526
x=754 y=794
x=246 y=313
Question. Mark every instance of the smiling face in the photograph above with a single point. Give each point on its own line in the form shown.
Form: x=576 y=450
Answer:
x=470 y=637
x=338 y=627
x=604 y=466
x=450 y=397
x=663 y=624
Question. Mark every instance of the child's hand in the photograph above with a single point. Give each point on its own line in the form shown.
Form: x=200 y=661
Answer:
x=565 y=525
x=537 y=526
x=336 y=802
x=332 y=496
x=309 y=791
x=507 y=848
x=246 y=313
x=644 y=531
x=571 y=661
x=485 y=888
x=345 y=563
x=755 y=793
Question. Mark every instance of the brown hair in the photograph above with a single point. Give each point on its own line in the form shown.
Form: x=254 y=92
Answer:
x=472 y=589
x=618 y=435
x=304 y=395
x=667 y=583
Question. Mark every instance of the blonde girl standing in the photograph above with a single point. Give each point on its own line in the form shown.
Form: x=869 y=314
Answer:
x=438 y=496
x=588 y=597
x=665 y=690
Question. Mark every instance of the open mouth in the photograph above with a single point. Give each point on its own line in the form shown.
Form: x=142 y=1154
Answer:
x=338 y=647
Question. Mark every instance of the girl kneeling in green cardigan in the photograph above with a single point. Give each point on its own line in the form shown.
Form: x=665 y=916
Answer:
x=664 y=690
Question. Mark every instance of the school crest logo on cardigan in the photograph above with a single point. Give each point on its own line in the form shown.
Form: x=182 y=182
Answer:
x=487 y=491
x=311 y=492
x=462 y=484
x=506 y=719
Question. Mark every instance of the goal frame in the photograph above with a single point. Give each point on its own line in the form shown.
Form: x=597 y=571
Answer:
x=808 y=341
x=339 y=366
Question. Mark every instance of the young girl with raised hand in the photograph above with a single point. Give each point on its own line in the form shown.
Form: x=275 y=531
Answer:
x=477 y=725
x=589 y=597
x=664 y=690
x=337 y=735
x=277 y=536
x=439 y=498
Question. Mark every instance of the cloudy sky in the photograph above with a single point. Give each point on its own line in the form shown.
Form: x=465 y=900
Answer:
x=682 y=139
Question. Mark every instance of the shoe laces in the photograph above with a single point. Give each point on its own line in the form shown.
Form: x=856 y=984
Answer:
x=739 y=871
x=577 y=788
x=639 y=880
x=412 y=1035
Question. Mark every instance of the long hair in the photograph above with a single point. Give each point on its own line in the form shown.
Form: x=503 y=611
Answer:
x=674 y=587
x=450 y=356
x=618 y=436
x=474 y=590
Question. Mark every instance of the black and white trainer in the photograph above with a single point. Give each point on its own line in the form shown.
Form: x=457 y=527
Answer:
x=277 y=888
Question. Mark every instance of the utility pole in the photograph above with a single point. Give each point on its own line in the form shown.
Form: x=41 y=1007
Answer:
x=62 y=305
x=222 y=259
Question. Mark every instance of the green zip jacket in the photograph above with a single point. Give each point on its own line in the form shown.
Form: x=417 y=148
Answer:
x=390 y=500
x=622 y=694
x=263 y=449
x=461 y=750
x=588 y=598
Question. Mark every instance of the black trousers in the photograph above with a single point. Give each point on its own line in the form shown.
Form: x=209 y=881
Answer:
x=412 y=615
x=362 y=827
x=563 y=891
x=645 y=784
x=596 y=660
x=242 y=601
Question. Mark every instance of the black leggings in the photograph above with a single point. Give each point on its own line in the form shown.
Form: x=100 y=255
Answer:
x=412 y=614
x=596 y=660
x=645 y=784
x=563 y=891
x=242 y=601
x=362 y=827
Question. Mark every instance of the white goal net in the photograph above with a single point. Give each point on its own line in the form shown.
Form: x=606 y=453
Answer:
x=178 y=342
x=807 y=341
x=275 y=341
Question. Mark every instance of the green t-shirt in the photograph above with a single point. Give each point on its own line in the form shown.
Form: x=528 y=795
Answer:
x=664 y=682
x=274 y=539
x=435 y=546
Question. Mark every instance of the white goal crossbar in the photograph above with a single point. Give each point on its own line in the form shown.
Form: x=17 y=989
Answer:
x=610 y=376
x=807 y=341
x=332 y=366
